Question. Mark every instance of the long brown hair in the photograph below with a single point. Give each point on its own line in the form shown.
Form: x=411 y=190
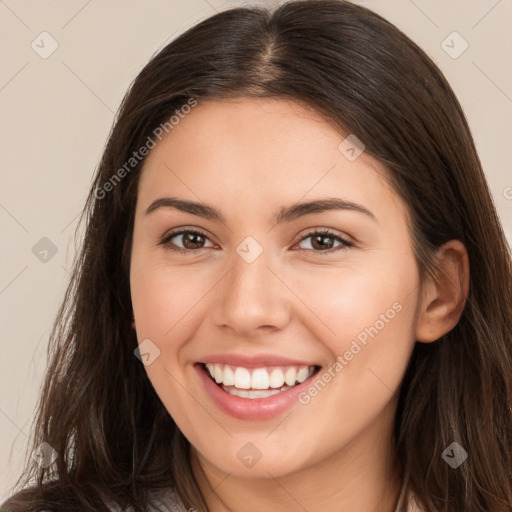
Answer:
x=114 y=438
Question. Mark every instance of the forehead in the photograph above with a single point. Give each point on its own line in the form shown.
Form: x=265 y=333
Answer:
x=235 y=126
x=253 y=148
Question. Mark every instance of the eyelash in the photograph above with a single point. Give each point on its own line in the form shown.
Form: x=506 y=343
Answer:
x=324 y=232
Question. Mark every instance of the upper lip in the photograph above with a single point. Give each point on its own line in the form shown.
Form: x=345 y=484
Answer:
x=255 y=361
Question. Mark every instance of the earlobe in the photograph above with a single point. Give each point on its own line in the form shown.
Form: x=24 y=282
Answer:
x=445 y=296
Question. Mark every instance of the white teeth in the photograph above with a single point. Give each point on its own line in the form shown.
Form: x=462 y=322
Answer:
x=289 y=376
x=302 y=374
x=253 y=393
x=229 y=376
x=259 y=380
x=270 y=379
x=276 y=378
x=218 y=374
x=242 y=377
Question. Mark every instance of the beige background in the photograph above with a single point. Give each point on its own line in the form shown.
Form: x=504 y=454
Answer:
x=56 y=114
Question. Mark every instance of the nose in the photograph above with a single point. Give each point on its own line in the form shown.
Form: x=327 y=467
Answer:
x=253 y=299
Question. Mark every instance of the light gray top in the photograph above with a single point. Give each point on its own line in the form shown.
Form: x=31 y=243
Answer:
x=405 y=494
x=169 y=501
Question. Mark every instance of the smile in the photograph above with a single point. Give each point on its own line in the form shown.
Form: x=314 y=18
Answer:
x=259 y=388
x=256 y=383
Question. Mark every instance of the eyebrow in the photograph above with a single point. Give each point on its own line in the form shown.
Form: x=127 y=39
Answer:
x=284 y=214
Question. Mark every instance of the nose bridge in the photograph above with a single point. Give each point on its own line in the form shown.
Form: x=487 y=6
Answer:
x=252 y=296
x=250 y=278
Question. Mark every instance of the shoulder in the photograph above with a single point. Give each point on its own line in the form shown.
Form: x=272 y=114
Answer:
x=165 y=500
x=26 y=500
x=412 y=504
x=168 y=501
x=30 y=500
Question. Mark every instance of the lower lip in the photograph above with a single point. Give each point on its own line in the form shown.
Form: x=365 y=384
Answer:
x=251 y=408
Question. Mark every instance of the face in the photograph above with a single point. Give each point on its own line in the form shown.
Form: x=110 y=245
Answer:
x=276 y=334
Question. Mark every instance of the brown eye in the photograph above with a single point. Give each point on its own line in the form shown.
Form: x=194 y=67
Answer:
x=190 y=241
x=323 y=241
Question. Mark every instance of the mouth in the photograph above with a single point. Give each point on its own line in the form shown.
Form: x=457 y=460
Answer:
x=257 y=383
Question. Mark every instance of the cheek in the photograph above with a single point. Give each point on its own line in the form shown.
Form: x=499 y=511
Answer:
x=355 y=301
x=166 y=301
x=370 y=350
x=164 y=297
x=369 y=315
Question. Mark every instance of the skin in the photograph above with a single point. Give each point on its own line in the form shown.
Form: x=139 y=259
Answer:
x=247 y=158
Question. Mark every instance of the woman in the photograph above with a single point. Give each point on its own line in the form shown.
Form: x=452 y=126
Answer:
x=294 y=292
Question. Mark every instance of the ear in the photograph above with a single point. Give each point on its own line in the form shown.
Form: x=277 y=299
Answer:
x=444 y=296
